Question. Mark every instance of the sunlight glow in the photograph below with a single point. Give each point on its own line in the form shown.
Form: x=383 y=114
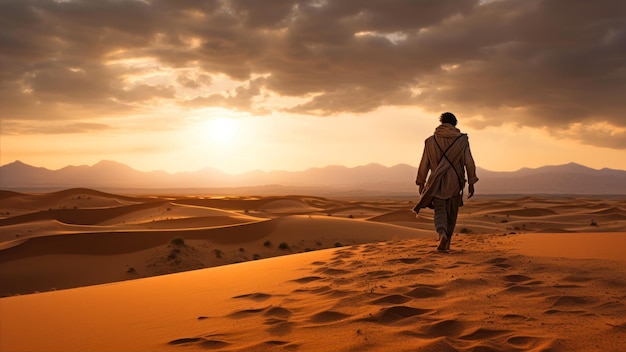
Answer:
x=222 y=129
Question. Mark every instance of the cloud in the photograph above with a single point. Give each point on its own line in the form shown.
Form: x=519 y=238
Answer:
x=18 y=128
x=551 y=64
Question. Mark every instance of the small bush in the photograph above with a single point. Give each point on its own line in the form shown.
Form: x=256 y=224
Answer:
x=218 y=253
x=338 y=244
x=178 y=241
x=283 y=245
x=267 y=243
x=256 y=256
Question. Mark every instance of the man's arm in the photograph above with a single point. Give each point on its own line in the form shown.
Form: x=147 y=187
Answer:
x=470 y=167
x=422 y=171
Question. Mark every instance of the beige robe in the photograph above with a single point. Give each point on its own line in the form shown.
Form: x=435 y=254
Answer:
x=443 y=182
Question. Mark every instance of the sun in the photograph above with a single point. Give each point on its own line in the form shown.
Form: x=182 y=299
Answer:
x=222 y=130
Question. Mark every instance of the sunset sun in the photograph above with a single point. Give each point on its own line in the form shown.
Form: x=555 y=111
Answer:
x=222 y=130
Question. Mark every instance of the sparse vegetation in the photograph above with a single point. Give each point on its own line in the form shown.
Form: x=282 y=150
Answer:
x=218 y=253
x=178 y=241
x=131 y=270
x=256 y=256
x=338 y=244
x=283 y=245
x=593 y=223
x=267 y=243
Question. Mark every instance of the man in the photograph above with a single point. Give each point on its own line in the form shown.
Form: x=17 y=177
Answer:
x=446 y=155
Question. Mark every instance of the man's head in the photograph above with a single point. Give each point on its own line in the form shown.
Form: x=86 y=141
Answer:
x=448 y=117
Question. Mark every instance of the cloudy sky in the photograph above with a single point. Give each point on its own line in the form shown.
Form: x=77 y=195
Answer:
x=290 y=84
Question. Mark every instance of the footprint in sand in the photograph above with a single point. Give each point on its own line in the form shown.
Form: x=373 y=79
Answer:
x=327 y=316
x=255 y=296
x=279 y=327
x=514 y=317
x=246 y=313
x=391 y=299
x=498 y=262
x=378 y=274
x=570 y=301
x=517 y=289
x=418 y=271
x=204 y=342
x=307 y=279
x=332 y=272
x=449 y=328
x=423 y=291
x=396 y=314
x=517 y=278
x=528 y=343
x=403 y=261
x=484 y=334
x=279 y=312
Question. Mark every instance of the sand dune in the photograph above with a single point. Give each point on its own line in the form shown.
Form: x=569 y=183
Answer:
x=526 y=274
x=397 y=295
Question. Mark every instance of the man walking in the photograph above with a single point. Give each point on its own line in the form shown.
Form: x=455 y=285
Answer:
x=447 y=156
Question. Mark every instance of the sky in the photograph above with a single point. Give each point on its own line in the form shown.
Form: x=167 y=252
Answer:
x=243 y=85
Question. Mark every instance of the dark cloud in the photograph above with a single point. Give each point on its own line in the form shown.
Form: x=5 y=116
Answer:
x=553 y=64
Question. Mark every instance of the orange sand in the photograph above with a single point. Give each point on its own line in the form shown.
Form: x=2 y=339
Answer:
x=506 y=285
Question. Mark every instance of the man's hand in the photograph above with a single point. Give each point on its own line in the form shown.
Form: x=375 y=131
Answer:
x=470 y=190
x=421 y=187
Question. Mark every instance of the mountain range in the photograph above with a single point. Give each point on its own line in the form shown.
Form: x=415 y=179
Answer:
x=372 y=179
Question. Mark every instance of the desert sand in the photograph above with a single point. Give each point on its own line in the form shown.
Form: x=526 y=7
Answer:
x=85 y=270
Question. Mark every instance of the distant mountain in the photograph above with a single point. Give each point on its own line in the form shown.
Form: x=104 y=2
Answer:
x=373 y=178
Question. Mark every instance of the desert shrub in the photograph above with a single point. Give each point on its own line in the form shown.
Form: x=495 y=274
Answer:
x=256 y=256
x=131 y=270
x=593 y=223
x=466 y=230
x=178 y=241
x=267 y=243
x=218 y=253
x=338 y=244
x=242 y=249
x=283 y=245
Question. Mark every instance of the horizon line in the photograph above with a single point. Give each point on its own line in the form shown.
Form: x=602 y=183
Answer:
x=301 y=170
